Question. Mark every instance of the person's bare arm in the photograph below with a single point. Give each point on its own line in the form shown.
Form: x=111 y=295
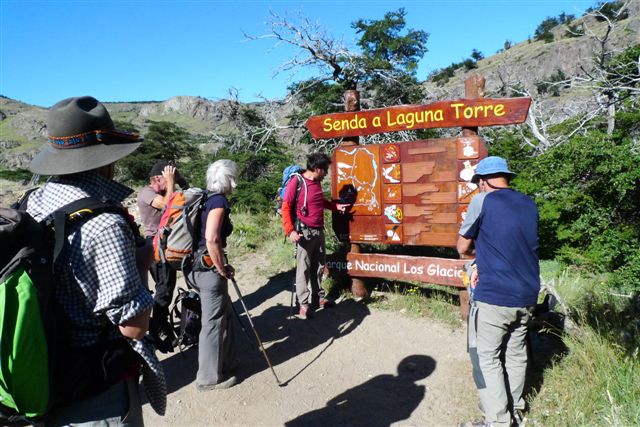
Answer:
x=160 y=201
x=213 y=240
x=136 y=327
x=464 y=246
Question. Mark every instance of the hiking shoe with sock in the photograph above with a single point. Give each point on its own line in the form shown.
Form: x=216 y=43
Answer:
x=305 y=312
x=226 y=383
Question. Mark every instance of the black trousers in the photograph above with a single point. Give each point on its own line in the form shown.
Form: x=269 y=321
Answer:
x=165 y=279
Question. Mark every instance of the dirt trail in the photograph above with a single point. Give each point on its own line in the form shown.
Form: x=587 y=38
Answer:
x=348 y=366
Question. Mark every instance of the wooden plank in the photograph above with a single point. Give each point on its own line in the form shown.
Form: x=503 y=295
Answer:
x=412 y=172
x=441 y=114
x=409 y=190
x=441 y=271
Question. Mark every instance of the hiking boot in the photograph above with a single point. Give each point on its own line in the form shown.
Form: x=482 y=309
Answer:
x=227 y=383
x=305 y=312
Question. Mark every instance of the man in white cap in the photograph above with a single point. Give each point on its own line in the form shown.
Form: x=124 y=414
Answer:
x=501 y=228
x=99 y=288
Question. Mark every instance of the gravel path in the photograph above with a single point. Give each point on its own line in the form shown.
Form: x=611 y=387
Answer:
x=348 y=366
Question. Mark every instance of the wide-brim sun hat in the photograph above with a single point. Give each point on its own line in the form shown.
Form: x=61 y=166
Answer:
x=82 y=137
x=491 y=165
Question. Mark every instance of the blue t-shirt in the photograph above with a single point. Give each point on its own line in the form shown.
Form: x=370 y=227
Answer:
x=216 y=201
x=504 y=227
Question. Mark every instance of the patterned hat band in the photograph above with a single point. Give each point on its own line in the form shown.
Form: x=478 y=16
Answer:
x=94 y=137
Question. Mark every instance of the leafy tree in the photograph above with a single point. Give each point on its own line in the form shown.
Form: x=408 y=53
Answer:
x=589 y=200
x=385 y=47
x=543 y=31
x=163 y=140
x=553 y=83
x=476 y=55
x=384 y=69
x=469 y=64
x=507 y=44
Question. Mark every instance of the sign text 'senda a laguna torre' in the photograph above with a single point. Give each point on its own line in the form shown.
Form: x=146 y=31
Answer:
x=462 y=112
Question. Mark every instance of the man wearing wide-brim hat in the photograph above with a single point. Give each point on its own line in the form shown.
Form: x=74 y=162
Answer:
x=98 y=287
x=501 y=228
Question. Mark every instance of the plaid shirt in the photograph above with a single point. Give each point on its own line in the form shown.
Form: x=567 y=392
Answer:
x=97 y=270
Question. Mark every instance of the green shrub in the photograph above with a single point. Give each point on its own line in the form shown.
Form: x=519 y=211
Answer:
x=589 y=200
x=543 y=31
x=15 y=174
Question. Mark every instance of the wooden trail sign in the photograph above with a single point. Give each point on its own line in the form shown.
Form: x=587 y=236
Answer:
x=409 y=193
x=401 y=267
x=441 y=114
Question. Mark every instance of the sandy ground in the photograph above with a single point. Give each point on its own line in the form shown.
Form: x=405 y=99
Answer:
x=348 y=366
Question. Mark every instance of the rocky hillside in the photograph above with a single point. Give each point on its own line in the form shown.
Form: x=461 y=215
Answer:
x=530 y=62
x=23 y=126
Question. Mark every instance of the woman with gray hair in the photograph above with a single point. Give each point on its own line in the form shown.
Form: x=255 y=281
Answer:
x=216 y=346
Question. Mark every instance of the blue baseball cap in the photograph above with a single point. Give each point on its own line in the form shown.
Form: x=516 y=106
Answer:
x=491 y=165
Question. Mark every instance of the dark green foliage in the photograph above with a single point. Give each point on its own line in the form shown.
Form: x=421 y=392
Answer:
x=588 y=195
x=553 y=84
x=384 y=47
x=385 y=70
x=163 y=140
x=476 y=55
x=543 y=32
x=15 y=174
x=627 y=277
x=574 y=30
x=260 y=176
x=125 y=126
x=443 y=75
x=565 y=19
x=469 y=64
x=612 y=11
x=623 y=71
x=507 y=44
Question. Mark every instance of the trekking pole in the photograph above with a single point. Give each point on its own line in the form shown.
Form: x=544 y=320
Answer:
x=264 y=352
x=242 y=324
x=293 y=287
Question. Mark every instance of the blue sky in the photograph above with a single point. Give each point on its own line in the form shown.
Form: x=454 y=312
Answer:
x=153 y=50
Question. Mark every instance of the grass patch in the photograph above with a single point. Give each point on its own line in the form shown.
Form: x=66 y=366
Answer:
x=438 y=302
x=17 y=175
x=608 y=392
x=602 y=356
x=261 y=233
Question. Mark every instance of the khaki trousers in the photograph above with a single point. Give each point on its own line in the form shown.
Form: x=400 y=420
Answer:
x=497 y=345
x=310 y=260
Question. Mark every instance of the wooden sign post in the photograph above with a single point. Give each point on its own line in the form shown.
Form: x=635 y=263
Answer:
x=408 y=193
x=352 y=104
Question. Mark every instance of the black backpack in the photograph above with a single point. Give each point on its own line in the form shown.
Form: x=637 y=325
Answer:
x=33 y=334
x=187 y=313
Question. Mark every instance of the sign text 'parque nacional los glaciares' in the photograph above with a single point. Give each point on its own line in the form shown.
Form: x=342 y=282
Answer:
x=442 y=114
x=425 y=269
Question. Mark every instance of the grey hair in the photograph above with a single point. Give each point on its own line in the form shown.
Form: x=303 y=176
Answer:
x=222 y=176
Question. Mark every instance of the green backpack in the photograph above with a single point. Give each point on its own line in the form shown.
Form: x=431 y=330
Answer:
x=30 y=323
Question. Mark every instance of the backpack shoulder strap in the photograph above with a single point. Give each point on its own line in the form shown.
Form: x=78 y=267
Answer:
x=78 y=210
x=299 y=183
x=21 y=203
